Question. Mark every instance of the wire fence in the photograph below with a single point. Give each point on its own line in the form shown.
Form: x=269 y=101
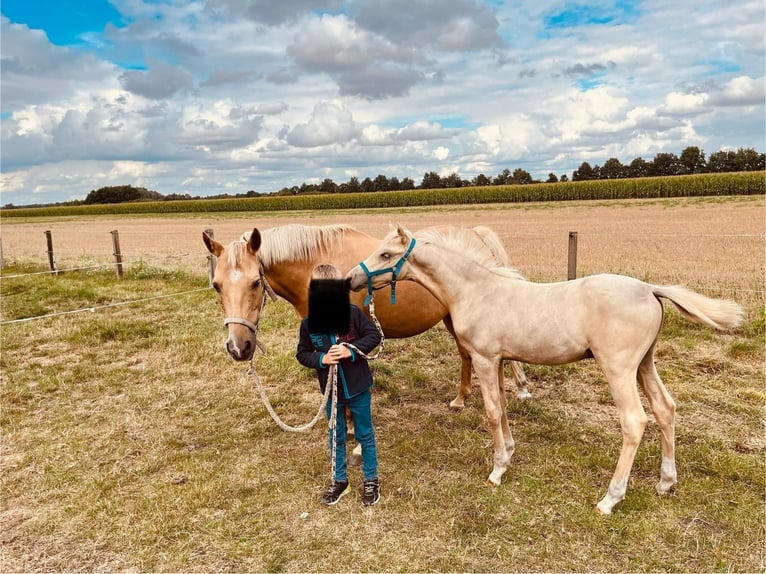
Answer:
x=204 y=263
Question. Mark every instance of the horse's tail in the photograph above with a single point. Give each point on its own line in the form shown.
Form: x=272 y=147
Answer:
x=493 y=243
x=716 y=313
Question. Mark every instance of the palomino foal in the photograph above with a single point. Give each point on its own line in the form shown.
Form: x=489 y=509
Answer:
x=612 y=318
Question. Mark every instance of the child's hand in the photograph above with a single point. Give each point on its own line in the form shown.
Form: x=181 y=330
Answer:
x=336 y=354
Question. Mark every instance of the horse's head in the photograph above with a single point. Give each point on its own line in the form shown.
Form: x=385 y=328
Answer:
x=241 y=287
x=385 y=265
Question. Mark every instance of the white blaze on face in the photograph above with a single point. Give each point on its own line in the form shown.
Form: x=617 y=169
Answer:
x=235 y=275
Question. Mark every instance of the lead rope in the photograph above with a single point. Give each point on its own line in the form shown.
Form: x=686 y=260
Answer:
x=330 y=393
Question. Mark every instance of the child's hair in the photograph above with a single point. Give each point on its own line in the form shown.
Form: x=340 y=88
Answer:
x=326 y=271
x=329 y=310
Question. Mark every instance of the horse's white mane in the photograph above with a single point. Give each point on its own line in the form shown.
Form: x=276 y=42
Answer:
x=479 y=243
x=294 y=242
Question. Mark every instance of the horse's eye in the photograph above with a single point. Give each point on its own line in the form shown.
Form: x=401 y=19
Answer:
x=216 y=286
x=255 y=284
x=385 y=255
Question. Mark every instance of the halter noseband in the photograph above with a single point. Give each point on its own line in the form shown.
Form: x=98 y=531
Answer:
x=395 y=270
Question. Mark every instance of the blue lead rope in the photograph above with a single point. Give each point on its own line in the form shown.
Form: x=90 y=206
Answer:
x=395 y=270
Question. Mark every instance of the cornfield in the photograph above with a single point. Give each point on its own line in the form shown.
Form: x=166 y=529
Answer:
x=741 y=183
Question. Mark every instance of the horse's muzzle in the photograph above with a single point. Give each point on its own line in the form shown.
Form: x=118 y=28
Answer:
x=240 y=351
x=356 y=278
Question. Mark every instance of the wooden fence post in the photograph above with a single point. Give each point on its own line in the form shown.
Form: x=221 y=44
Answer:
x=210 y=261
x=2 y=259
x=117 y=252
x=51 y=255
x=572 y=260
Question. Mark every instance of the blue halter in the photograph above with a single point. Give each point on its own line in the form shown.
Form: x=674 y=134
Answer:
x=395 y=270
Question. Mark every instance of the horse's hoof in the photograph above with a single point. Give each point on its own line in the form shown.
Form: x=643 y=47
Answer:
x=600 y=512
x=457 y=405
x=491 y=484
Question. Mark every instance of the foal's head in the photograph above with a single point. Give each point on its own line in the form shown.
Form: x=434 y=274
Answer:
x=240 y=285
x=386 y=264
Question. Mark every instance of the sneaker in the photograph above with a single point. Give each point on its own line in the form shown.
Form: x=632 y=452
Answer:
x=371 y=493
x=335 y=492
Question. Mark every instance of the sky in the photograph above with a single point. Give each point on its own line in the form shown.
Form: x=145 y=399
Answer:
x=204 y=97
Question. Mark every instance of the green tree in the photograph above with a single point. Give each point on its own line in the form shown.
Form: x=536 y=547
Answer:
x=431 y=180
x=481 y=180
x=521 y=176
x=503 y=178
x=639 y=167
x=665 y=164
x=613 y=169
x=583 y=173
x=552 y=178
x=452 y=180
x=692 y=160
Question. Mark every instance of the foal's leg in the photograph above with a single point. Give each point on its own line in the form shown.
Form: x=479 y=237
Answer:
x=664 y=408
x=510 y=446
x=522 y=386
x=487 y=371
x=633 y=421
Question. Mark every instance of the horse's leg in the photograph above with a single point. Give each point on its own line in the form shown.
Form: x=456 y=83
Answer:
x=464 y=390
x=522 y=386
x=633 y=421
x=664 y=408
x=487 y=370
x=504 y=425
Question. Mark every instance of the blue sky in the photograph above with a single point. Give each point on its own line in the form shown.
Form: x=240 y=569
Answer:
x=224 y=96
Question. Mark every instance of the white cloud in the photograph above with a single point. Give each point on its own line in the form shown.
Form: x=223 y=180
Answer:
x=441 y=153
x=232 y=95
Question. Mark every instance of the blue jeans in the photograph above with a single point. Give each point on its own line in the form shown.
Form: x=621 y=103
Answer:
x=361 y=412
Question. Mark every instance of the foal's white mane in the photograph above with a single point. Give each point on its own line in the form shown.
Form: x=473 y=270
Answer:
x=472 y=243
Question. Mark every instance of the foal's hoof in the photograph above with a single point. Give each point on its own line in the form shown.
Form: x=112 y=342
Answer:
x=457 y=404
x=491 y=484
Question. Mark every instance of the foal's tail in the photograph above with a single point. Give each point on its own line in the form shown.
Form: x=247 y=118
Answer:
x=716 y=313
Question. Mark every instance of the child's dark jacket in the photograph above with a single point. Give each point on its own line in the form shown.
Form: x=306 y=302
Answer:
x=354 y=374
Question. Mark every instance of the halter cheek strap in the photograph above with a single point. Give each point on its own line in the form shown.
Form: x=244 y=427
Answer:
x=395 y=270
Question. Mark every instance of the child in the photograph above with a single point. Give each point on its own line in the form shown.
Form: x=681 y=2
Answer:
x=331 y=321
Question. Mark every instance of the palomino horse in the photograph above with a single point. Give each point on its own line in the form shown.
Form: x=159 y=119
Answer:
x=612 y=318
x=284 y=256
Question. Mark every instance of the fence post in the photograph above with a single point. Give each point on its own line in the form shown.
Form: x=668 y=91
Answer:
x=117 y=252
x=572 y=260
x=51 y=255
x=2 y=259
x=210 y=260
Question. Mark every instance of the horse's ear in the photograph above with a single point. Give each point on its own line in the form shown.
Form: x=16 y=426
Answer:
x=404 y=234
x=254 y=243
x=212 y=245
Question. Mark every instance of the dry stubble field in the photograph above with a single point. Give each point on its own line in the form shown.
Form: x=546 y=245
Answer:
x=208 y=489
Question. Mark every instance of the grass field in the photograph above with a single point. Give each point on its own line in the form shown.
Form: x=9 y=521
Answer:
x=131 y=442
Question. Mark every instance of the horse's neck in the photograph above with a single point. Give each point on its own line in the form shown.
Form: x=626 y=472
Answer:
x=290 y=281
x=447 y=275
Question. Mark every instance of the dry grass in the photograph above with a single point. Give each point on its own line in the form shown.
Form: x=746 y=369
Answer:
x=130 y=441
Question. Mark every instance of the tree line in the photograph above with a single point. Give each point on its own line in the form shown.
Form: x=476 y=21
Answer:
x=691 y=161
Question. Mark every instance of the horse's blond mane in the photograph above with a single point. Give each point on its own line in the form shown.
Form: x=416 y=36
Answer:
x=294 y=242
x=479 y=243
